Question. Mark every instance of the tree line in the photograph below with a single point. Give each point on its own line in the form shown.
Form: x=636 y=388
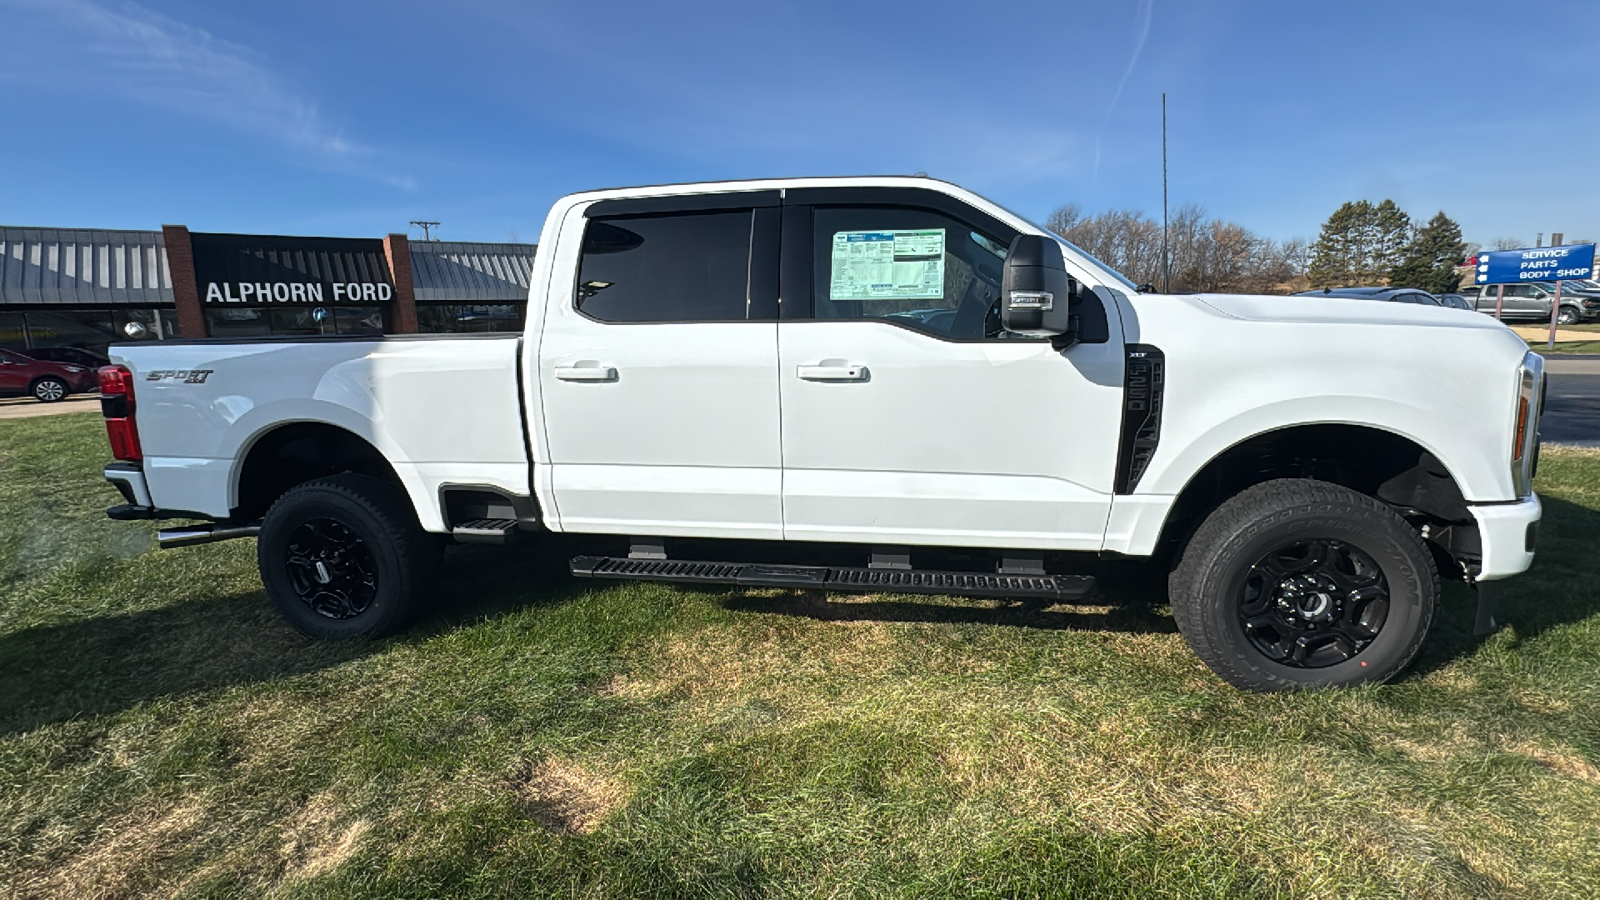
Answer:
x=1206 y=254
x=1363 y=244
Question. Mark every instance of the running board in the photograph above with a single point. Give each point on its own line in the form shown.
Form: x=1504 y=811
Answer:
x=484 y=531
x=831 y=578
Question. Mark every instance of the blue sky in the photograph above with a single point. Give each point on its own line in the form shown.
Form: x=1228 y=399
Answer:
x=351 y=119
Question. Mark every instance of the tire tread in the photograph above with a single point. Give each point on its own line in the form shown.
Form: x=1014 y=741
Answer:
x=1271 y=500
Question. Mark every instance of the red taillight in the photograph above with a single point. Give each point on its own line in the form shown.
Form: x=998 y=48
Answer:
x=116 y=404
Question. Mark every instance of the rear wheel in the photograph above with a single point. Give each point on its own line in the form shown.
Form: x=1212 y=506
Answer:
x=49 y=389
x=344 y=557
x=1304 y=584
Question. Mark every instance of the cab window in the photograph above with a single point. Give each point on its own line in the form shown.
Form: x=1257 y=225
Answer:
x=913 y=267
x=666 y=268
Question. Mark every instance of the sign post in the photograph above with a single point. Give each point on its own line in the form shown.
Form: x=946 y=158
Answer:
x=1555 y=310
x=1558 y=264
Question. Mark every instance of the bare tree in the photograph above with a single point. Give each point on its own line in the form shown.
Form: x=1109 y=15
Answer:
x=1205 y=254
x=1507 y=244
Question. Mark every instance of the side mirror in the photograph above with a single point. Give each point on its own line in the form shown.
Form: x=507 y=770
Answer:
x=1036 y=293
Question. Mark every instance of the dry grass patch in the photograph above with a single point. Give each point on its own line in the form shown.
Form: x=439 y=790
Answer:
x=317 y=841
x=566 y=798
x=1565 y=763
x=106 y=864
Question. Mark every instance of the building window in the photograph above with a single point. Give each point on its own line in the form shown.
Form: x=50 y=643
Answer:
x=13 y=331
x=257 y=321
x=450 y=318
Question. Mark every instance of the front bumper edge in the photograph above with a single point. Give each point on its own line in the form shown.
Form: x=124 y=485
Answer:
x=1506 y=531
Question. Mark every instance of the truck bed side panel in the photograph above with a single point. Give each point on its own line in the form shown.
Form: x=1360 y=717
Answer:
x=441 y=409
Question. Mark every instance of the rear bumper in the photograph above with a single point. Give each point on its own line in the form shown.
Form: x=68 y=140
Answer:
x=1507 y=532
x=128 y=477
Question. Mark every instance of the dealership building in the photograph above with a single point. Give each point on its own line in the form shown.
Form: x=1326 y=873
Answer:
x=87 y=288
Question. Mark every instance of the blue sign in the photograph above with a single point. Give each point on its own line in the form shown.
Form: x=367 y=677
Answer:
x=1542 y=264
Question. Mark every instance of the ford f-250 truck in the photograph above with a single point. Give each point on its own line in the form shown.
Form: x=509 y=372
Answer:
x=875 y=371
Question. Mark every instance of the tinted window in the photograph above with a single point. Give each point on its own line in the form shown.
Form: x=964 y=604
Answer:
x=915 y=267
x=666 y=268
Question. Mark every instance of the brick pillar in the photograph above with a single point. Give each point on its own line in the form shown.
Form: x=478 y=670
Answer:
x=398 y=250
x=185 y=289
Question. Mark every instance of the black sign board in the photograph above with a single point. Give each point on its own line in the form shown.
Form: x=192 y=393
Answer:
x=264 y=270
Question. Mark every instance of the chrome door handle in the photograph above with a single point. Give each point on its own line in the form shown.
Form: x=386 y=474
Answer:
x=832 y=370
x=586 y=370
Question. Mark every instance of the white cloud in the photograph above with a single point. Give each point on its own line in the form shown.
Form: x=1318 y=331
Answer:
x=149 y=59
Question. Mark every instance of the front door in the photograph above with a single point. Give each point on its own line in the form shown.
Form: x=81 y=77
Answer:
x=908 y=416
x=658 y=370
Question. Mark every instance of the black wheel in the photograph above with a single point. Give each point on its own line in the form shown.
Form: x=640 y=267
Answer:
x=50 y=389
x=344 y=557
x=1569 y=315
x=1304 y=584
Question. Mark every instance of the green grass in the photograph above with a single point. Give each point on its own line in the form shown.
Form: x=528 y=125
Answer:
x=1543 y=346
x=162 y=733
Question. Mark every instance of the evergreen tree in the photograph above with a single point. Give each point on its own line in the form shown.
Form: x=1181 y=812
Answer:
x=1343 y=251
x=1431 y=258
x=1392 y=235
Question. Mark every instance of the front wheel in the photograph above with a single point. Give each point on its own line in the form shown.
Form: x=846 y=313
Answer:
x=50 y=389
x=344 y=557
x=1304 y=584
x=1569 y=316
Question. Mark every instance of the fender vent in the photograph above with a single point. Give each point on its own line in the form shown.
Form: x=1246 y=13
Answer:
x=1144 y=383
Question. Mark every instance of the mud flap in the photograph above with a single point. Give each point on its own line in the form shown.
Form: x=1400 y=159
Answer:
x=1488 y=593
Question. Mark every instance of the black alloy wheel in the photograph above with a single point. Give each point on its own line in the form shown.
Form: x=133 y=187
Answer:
x=344 y=557
x=1313 y=603
x=331 y=568
x=1296 y=583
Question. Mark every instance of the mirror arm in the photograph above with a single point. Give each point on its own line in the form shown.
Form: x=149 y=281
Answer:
x=1065 y=341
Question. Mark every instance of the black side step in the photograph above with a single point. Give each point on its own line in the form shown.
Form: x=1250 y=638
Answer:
x=848 y=580
x=484 y=531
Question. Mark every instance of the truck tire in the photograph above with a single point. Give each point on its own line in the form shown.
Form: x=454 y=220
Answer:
x=1296 y=583
x=344 y=557
x=50 y=389
x=1569 y=315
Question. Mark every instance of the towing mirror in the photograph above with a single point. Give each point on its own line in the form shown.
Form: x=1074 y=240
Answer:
x=1036 y=293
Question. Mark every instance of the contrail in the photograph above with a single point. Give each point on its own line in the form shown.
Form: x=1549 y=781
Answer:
x=1141 y=27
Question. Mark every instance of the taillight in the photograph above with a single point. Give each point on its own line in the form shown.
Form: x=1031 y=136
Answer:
x=116 y=405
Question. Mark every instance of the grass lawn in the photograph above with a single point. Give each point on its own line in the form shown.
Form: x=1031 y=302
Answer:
x=161 y=732
x=1543 y=346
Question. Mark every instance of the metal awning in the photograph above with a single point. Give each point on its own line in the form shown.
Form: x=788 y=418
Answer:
x=83 y=267
x=464 y=272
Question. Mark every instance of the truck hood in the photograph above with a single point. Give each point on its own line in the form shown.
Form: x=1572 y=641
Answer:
x=1341 y=311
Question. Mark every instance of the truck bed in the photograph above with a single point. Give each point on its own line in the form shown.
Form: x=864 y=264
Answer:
x=438 y=407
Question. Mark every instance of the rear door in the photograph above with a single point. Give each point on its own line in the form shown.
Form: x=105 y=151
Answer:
x=658 y=369
x=13 y=373
x=908 y=416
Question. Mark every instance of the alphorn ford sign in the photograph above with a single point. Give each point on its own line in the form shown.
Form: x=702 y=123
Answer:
x=1537 y=264
x=268 y=270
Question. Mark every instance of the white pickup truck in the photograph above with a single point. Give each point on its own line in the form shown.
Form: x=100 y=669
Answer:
x=882 y=372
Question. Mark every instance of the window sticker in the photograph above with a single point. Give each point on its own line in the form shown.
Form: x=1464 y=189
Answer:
x=888 y=265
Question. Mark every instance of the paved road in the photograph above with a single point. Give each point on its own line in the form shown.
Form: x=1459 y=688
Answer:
x=27 y=407
x=1572 y=406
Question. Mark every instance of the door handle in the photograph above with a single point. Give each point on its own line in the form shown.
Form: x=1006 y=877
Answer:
x=832 y=370
x=586 y=370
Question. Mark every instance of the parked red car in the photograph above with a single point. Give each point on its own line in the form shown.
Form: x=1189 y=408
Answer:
x=43 y=380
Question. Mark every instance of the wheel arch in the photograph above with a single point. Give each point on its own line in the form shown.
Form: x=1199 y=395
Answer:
x=292 y=453
x=1392 y=467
